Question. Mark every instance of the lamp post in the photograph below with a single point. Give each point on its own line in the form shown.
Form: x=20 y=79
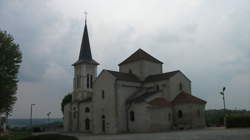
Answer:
x=31 y=105
x=48 y=114
x=224 y=102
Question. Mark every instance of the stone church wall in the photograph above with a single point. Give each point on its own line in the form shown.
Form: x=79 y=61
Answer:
x=160 y=118
x=141 y=68
x=141 y=121
x=174 y=85
x=124 y=90
x=84 y=115
x=193 y=115
x=67 y=117
x=104 y=106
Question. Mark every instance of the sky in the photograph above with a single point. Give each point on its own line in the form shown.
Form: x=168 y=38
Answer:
x=208 y=40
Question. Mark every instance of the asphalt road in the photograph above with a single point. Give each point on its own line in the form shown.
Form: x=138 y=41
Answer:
x=203 y=134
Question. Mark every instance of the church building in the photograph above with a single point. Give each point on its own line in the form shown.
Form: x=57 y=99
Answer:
x=140 y=97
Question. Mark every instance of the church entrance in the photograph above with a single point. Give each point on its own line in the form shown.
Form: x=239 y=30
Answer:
x=87 y=124
x=103 y=123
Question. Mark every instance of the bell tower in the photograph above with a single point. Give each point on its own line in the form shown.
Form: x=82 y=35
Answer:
x=85 y=70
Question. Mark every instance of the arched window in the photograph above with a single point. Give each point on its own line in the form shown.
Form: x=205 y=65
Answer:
x=87 y=109
x=180 y=114
x=180 y=87
x=74 y=112
x=103 y=123
x=132 y=116
x=169 y=116
x=198 y=113
x=157 y=87
x=130 y=71
x=103 y=95
x=91 y=81
x=87 y=80
x=78 y=79
x=87 y=124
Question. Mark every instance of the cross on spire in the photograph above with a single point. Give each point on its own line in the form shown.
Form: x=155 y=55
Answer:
x=85 y=15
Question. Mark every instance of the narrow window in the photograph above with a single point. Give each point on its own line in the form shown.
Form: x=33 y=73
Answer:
x=87 y=122
x=180 y=114
x=103 y=95
x=130 y=71
x=180 y=87
x=103 y=123
x=87 y=109
x=87 y=80
x=91 y=81
x=132 y=116
x=198 y=113
x=157 y=87
x=169 y=116
x=77 y=81
x=74 y=112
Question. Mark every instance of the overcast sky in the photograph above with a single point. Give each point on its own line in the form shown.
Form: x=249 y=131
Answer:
x=208 y=40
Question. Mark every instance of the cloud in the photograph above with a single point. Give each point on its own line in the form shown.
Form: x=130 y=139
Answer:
x=207 y=40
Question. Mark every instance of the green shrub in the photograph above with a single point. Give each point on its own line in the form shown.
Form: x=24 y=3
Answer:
x=233 y=121
x=50 y=137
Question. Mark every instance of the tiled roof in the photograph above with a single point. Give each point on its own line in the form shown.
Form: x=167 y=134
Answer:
x=140 y=55
x=124 y=76
x=162 y=76
x=184 y=97
x=93 y=62
x=143 y=96
x=160 y=102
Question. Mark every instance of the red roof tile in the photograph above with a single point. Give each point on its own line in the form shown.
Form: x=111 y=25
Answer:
x=184 y=97
x=160 y=102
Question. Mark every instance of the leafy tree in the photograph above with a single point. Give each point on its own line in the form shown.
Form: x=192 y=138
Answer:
x=10 y=59
x=67 y=99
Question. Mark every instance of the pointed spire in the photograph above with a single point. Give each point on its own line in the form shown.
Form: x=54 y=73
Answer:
x=85 y=52
x=85 y=55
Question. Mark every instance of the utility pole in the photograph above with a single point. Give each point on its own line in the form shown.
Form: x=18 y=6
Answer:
x=31 y=105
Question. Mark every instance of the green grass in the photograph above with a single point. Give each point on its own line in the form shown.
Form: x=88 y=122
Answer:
x=16 y=136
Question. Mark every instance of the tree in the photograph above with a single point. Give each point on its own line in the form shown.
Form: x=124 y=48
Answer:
x=67 y=99
x=10 y=60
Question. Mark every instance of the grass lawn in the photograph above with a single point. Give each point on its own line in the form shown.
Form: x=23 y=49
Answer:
x=16 y=136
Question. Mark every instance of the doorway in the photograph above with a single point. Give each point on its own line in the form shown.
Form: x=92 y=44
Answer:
x=103 y=124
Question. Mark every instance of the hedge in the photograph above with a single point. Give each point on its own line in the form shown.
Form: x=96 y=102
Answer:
x=233 y=121
x=50 y=137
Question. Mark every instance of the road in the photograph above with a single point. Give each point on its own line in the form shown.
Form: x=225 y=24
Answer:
x=204 y=134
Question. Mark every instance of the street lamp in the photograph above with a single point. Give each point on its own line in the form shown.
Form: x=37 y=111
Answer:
x=31 y=105
x=224 y=102
x=48 y=114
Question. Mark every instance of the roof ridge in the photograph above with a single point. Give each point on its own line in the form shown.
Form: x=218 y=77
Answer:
x=160 y=76
x=186 y=97
x=139 y=55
